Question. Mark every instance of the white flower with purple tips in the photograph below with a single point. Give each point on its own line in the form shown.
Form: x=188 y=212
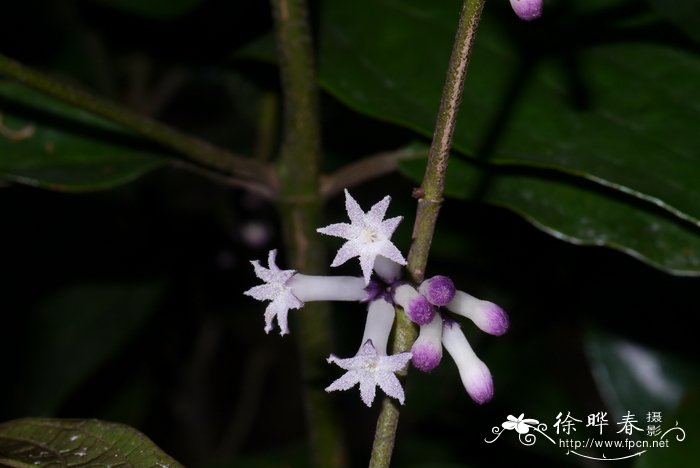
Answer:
x=427 y=349
x=486 y=315
x=368 y=235
x=476 y=377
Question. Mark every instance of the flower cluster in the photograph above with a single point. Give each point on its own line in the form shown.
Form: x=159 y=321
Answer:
x=381 y=287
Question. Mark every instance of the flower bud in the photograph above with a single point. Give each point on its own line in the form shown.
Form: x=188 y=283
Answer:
x=527 y=10
x=427 y=349
x=486 y=315
x=439 y=290
x=417 y=307
x=476 y=377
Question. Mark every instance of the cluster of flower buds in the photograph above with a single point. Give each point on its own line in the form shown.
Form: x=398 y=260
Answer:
x=382 y=288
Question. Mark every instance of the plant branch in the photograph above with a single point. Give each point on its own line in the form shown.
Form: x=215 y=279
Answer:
x=367 y=168
x=429 y=201
x=194 y=149
x=300 y=206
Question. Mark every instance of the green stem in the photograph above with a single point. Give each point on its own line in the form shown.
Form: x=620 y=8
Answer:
x=193 y=148
x=300 y=206
x=429 y=202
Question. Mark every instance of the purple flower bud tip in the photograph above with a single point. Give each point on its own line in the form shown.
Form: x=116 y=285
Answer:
x=426 y=357
x=440 y=290
x=527 y=10
x=480 y=386
x=420 y=311
x=497 y=319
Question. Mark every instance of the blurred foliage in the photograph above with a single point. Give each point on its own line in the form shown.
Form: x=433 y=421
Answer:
x=126 y=304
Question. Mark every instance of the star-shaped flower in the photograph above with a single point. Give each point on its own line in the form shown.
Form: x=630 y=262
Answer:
x=371 y=369
x=276 y=290
x=368 y=235
x=521 y=425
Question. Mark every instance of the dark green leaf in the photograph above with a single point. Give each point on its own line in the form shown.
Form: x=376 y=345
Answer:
x=679 y=453
x=634 y=378
x=685 y=14
x=75 y=332
x=156 y=9
x=579 y=213
x=546 y=94
x=42 y=442
x=49 y=144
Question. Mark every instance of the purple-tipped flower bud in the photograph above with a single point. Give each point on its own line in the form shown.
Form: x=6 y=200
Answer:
x=527 y=10
x=476 y=377
x=439 y=290
x=417 y=307
x=427 y=349
x=486 y=315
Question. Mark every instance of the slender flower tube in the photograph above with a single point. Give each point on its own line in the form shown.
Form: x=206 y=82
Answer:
x=327 y=288
x=388 y=270
x=438 y=290
x=287 y=289
x=486 y=315
x=527 y=10
x=417 y=307
x=380 y=318
x=476 y=377
x=427 y=349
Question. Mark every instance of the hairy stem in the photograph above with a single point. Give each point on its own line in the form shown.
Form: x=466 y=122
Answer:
x=194 y=149
x=429 y=201
x=300 y=207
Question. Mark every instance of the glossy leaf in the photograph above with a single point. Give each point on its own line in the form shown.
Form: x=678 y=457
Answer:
x=631 y=377
x=51 y=145
x=43 y=442
x=75 y=332
x=581 y=213
x=584 y=104
x=156 y=9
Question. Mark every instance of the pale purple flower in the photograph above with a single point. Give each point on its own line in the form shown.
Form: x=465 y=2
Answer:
x=521 y=425
x=368 y=235
x=527 y=9
x=277 y=290
x=369 y=369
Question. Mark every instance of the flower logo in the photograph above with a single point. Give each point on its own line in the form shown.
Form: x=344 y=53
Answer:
x=521 y=425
